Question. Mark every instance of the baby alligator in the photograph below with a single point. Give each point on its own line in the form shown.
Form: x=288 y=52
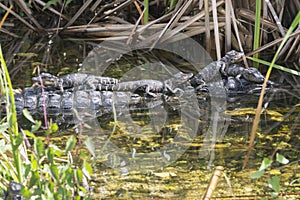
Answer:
x=213 y=69
x=73 y=80
x=148 y=86
x=250 y=74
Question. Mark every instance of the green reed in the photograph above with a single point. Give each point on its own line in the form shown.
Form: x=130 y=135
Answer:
x=257 y=29
x=146 y=11
x=15 y=138
x=294 y=24
x=44 y=170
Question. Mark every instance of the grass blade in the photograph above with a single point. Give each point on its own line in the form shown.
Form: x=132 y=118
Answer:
x=259 y=106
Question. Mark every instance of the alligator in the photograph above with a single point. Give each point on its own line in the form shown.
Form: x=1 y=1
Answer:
x=98 y=83
x=72 y=80
x=250 y=74
x=34 y=100
x=75 y=93
x=150 y=87
x=214 y=69
x=234 y=75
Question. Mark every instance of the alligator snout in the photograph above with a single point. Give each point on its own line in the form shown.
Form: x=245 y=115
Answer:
x=252 y=74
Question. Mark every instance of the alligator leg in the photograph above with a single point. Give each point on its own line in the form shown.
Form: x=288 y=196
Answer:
x=49 y=79
x=238 y=78
x=148 y=88
x=174 y=91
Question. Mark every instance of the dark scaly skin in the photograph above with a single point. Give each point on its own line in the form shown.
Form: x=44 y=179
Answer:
x=150 y=87
x=73 y=80
x=33 y=100
x=243 y=76
x=232 y=57
x=213 y=69
x=252 y=74
x=228 y=70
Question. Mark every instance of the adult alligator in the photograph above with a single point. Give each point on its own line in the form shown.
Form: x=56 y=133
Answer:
x=55 y=101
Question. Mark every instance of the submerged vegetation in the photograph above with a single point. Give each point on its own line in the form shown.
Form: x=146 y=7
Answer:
x=44 y=33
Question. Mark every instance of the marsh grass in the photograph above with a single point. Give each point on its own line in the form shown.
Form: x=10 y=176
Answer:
x=260 y=101
x=43 y=170
x=96 y=21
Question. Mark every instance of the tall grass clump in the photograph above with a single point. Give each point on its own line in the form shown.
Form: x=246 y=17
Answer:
x=294 y=24
x=43 y=171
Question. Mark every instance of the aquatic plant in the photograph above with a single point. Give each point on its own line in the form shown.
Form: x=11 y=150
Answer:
x=44 y=170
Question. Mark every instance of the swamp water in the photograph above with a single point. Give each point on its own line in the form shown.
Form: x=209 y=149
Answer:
x=169 y=150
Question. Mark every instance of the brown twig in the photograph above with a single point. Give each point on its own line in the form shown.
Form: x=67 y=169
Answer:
x=213 y=183
x=18 y=17
x=270 y=44
x=5 y=16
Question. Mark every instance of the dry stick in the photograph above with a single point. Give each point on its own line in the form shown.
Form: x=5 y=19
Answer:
x=170 y=23
x=28 y=12
x=191 y=21
x=18 y=17
x=195 y=31
x=275 y=17
x=271 y=44
x=207 y=27
x=294 y=45
x=79 y=12
x=93 y=8
x=106 y=6
x=258 y=196
x=5 y=16
x=17 y=50
x=138 y=8
x=287 y=46
x=134 y=32
x=216 y=29
x=183 y=10
x=247 y=14
x=201 y=3
x=213 y=183
x=228 y=25
x=234 y=22
x=297 y=4
x=116 y=9
x=52 y=9
x=3 y=30
x=264 y=17
x=59 y=19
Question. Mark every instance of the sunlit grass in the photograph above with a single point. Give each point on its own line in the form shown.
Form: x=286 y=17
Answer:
x=259 y=106
x=257 y=29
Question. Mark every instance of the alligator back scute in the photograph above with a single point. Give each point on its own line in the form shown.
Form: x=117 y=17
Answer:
x=96 y=100
x=54 y=102
x=42 y=101
x=19 y=102
x=30 y=98
x=67 y=102
x=81 y=100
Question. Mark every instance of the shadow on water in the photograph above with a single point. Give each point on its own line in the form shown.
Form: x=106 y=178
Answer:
x=149 y=150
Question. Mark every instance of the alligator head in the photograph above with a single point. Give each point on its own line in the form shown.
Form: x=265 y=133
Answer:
x=252 y=74
x=182 y=76
x=48 y=79
x=232 y=57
